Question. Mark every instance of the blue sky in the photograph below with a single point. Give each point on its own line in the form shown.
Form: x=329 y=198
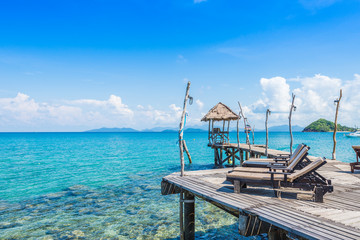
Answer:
x=75 y=65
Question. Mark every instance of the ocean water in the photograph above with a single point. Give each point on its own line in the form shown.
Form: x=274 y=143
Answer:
x=107 y=185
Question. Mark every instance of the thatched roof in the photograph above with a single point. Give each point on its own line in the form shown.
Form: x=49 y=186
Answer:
x=220 y=112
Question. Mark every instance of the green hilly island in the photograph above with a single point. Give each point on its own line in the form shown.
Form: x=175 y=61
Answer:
x=323 y=125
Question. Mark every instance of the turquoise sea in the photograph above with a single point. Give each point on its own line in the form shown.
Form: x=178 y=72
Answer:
x=107 y=185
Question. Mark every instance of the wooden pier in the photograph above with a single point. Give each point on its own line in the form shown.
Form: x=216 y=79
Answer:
x=230 y=152
x=294 y=215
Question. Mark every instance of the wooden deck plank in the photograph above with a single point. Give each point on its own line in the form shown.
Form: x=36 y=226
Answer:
x=241 y=204
x=337 y=218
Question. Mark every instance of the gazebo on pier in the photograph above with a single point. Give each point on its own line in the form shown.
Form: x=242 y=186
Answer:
x=219 y=113
x=219 y=136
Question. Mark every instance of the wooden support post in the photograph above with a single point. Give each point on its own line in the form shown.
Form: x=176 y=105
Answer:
x=221 y=156
x=237 y=186
x=241 y=156
x=215 y=156
x=189 y=212
x=253 y=134
x=228 y=130
x=274 y=233
x=209 y=132
x=223 y=133
x=212 y=131
x=319 y=194
x=181 y=131
x=238 y=140
x=187 y=151
x=268 y=112
x=337 y=101
x=233 y=157
x=246 y=155
x=291 y=109
x=181 y=214
x=251 y=225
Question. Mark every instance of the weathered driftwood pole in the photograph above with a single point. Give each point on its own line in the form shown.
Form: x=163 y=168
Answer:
x=238 y=140
x=181 y=131
x=293 y=107
x=245 y=120
x=337 y=102
x=247 y=133
x=187 y=151
x=268 y=112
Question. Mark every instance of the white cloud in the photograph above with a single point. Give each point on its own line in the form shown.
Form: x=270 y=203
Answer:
x=114 y=104
x=24 y=112
x=275 y=95
x=314 y=99
x=199 y=103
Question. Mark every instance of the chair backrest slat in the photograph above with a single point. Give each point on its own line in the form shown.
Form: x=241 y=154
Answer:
x=309 y=168
x=298 y=158
x=296 y=152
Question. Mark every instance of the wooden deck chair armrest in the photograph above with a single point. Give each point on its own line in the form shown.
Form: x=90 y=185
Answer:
x=281 y=159
x=284 y=173
x=279 y=168
x=270 y=165
x=284 y=154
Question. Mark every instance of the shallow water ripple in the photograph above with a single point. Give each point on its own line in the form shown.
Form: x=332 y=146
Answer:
x=107 y=186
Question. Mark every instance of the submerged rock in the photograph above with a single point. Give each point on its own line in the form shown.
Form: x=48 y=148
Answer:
x=78 y=233
x=53 y=196
x=48 y=237
x=76 y=187
x=4 y=225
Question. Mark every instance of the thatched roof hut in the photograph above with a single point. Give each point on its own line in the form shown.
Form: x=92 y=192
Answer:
x=220 y=112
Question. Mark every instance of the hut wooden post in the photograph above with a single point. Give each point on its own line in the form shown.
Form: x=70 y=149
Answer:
x=228 y=131
x=253 y=134
x=268 y=112
x=291 y=109
x=223 y=133
x=209 y=132
x=219 y=137
x=212 y=131
x=238 y=140
x=337 y=101
x=181 y=131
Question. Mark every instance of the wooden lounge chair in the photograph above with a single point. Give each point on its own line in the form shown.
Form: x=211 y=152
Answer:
x=296 y=163
x=280 y=160
x=355 y=165
x=305 y=179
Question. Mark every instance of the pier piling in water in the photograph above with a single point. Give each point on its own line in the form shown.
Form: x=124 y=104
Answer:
x=258 y=212
x=189 y=215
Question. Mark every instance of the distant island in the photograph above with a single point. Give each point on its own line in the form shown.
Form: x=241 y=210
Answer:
x=285 y=128
x=131 y=130
x=281 y=128
x=113 y=130
x=323 y=125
